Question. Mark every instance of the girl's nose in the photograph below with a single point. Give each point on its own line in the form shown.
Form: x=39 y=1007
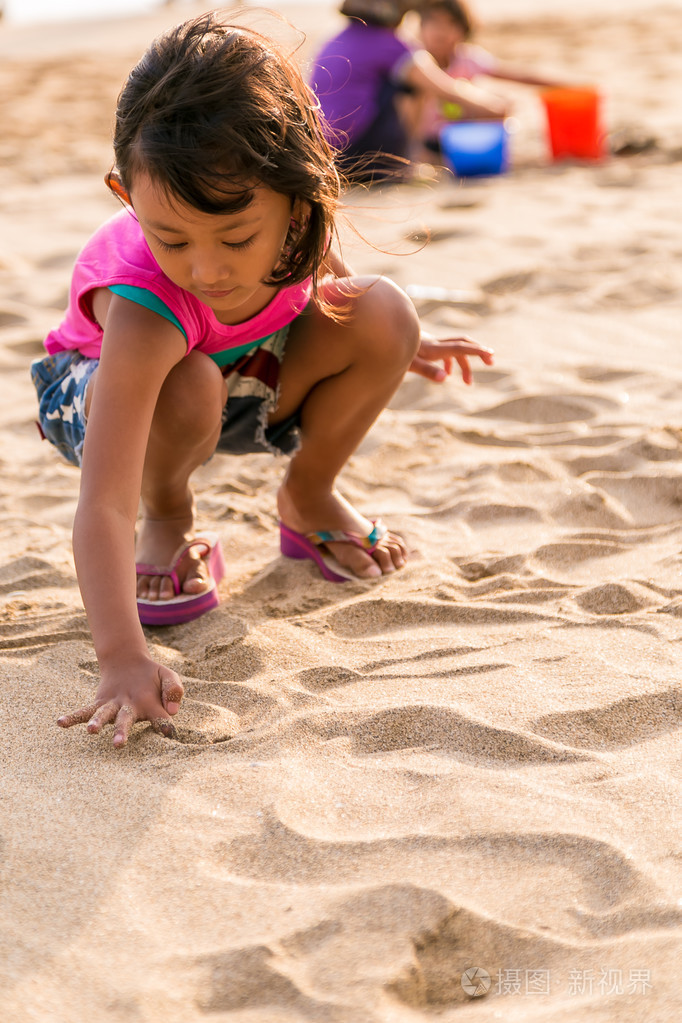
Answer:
x=210 y=268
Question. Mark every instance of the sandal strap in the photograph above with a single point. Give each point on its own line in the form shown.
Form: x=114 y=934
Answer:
x=368 y=543
x=171 y=570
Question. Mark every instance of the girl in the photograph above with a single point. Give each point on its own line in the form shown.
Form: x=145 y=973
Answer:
x=371 y=85
x=446 y=26
x=210 y=314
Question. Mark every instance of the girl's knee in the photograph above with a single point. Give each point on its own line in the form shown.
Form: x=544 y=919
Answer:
x=388 y=320
x=193 y=395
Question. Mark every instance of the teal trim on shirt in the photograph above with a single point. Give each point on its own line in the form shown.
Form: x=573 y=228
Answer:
x=149 y=300
x=230 y=355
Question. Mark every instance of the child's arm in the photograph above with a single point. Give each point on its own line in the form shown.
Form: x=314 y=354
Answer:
x=510 y=73
x=139 y=349
x=425 y=75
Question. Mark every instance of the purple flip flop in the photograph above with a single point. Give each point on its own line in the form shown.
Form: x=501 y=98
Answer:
x=184 y=607
x=309 y=546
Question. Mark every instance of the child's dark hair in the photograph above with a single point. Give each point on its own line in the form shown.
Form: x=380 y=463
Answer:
x=213 y=109
x=455 y=9
x=384 y=13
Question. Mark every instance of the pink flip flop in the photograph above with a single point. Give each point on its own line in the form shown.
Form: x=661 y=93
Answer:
x=303 y=546
x=184 y=607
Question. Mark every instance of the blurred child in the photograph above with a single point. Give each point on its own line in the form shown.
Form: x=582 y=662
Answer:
x=210 y=314
x=446 y=26
x=360 y=76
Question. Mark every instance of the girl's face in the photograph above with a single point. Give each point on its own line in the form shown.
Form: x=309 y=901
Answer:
x=441 y=36
x=222 y=259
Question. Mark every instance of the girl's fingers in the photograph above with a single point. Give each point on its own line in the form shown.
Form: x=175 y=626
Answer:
x=172 y=690
x=463 y=363
x=165 y=727
x=102 y=717
x=428 y=369
x=125 y=719
x=123 y=715
x=78 y=717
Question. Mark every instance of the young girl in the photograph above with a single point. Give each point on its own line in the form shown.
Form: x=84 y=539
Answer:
x=210 y=314
x=371 y=85
x=446 y=27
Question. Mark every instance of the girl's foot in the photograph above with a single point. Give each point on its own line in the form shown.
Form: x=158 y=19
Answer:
x=158 y=540
x=310 y=513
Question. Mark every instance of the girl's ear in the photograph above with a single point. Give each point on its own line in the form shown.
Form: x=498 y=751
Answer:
x=113 y=182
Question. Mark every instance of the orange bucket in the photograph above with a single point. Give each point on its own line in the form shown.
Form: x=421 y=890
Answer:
x=575 y=123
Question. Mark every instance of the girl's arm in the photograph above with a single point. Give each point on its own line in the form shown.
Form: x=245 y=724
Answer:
x=425 y=75
x=139 y=349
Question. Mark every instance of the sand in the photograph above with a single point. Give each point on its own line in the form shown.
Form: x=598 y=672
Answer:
x=474 y=764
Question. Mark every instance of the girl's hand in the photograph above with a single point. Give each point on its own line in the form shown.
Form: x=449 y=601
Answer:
x=144 y=691
x=457 y=349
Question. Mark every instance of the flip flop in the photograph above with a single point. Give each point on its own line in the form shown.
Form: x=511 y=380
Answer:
x=184 y=607
x=309 y=545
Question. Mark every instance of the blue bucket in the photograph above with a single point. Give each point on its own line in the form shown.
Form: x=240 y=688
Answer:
x=475 y=148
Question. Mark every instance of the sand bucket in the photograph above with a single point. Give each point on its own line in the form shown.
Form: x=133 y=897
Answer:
x=574 y=123
x=475 y=148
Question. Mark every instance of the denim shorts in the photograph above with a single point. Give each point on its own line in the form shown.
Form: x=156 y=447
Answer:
x=61 y=381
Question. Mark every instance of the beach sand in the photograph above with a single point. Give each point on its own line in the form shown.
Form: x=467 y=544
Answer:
x=473 y=764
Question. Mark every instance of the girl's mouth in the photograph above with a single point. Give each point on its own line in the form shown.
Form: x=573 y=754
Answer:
x=218 y=294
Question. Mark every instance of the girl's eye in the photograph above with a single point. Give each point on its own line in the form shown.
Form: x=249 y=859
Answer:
x=240 y=245
x=170 y=248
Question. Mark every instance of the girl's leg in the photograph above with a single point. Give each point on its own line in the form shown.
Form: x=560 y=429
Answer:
x=341 y=375
x=184 y=433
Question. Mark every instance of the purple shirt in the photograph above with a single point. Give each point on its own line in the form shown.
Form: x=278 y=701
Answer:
x=349 y=73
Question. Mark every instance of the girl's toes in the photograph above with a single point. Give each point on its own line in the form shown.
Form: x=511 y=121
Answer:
x=165 y=591
x=398 y=550
x=196 y=579
x=356 y=560
x=382 y=557
x=369 y=569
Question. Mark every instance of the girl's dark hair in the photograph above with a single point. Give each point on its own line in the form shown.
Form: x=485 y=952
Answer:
x=456 y=9
x=213 y=110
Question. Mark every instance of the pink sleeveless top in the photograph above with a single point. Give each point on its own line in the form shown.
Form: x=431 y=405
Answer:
x=117 y=254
